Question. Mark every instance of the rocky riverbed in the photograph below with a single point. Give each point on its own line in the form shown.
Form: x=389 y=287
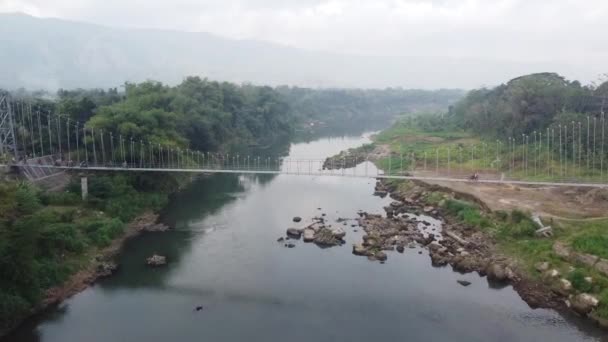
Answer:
x=465 y=249
x=409 y=222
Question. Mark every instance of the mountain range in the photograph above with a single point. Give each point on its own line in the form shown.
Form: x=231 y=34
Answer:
x=45 y=53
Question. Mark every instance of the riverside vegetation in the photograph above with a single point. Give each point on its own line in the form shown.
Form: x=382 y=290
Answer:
x=47 y=237
x=565 y=269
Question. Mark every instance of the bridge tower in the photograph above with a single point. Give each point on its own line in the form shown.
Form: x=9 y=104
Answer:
x=8 y=144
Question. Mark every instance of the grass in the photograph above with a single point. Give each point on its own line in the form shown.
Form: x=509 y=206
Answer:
x=592 y=243
x=415 y=149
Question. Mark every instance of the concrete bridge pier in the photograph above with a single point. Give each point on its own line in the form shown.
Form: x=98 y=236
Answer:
x=84 y=187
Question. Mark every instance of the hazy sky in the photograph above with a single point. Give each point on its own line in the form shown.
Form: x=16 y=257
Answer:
x=562 y=31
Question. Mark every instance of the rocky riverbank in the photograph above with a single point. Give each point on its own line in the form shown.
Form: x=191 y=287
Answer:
x=465 y=249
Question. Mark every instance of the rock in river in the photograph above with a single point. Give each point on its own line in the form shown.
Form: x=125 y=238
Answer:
x=309 y=235
x=463 y=282
x=294 y=233
x=496 y=272
x=297 y=219
x=381 y=256
x=156 y=260
x=339 y=233
x=325 y=237
x=359 y=249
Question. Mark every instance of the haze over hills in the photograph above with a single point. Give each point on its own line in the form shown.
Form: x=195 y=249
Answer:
x=54 y=53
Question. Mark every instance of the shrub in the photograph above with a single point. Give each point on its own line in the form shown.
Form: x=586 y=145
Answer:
x=501 y=215
x=61 y=237
x=455 y=206
x=473 y=217
x=12 y=309
x=433 y=197
x=518 y=216
x=101 y=232
x=577 y=278
x=60 y=198
x=27 y=200
x=50 y=272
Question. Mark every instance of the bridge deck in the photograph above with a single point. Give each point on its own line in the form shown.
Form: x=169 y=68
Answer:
x=331 y=173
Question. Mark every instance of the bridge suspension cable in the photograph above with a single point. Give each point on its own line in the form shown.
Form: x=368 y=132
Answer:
x=563 y=152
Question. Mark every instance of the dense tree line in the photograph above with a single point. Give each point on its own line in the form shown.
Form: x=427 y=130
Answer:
x=527 y=104
x=198 y=113
x=334 y=107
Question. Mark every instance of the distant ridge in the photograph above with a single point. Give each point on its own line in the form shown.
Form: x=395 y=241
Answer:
x=55 y=53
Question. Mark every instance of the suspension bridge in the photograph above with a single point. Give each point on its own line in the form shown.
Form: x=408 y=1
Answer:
x=41 y=143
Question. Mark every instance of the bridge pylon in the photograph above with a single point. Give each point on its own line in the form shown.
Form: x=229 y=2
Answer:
x=8 y=144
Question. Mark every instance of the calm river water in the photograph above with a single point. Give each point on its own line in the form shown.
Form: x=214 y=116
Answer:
x=224 y=255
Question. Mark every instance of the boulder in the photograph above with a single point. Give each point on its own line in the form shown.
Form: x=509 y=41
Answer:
x=396 y=204
x=381 y=256
x=339 y=233
x=400 y=248
x=290 y=245
x=380 y=193
x=541 y=266
x=496 y=272
x=583 y=303
x=428 y=209
x=463 y=282
x=309 y=235
x=602 y=266
x=552 y=273
x=325 y=237
x=156 y=260
x=297 y=219
x=106 y=268
x=281 y=239
x=585 y=259
x=563 y=287
x=359 y=249
x=294 y=233
x=464 y=264
x=438 y=258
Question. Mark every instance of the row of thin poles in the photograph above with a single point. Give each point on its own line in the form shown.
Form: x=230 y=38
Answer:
x=561 y=151
x=569 y=150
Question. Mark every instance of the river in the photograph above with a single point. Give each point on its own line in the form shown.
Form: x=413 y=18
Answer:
x=223 y=255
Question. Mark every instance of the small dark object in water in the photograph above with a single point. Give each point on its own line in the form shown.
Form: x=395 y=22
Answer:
x=297 y=219
x=463 y=282
x=198 y=308
x=281 y=239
